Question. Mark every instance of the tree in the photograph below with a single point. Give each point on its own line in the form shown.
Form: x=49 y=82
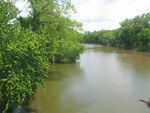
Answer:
x=8 y=11
x=51 y=18
x=133 y=34
x=130 y=28
x=48 y=12
x=23 y=61
x=143 y=39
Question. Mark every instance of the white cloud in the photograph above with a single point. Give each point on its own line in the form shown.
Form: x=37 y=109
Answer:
x=22 y=5
x=107 y=14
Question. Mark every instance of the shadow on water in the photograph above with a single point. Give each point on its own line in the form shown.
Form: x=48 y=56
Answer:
x=24 y=110
x=55 y=76
x=62 y=71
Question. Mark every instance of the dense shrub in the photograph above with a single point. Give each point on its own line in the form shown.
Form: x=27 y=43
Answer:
x=23 y=66
x=29 y=45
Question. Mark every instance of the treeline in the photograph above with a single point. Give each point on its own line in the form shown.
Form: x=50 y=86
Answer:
x=133 y=34
x=29 y=45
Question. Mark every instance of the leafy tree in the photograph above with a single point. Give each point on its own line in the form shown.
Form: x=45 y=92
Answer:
x=8 y=11
x=25 y=22
x=48 y=12
x=23 y=67
x=143 y=39
x=133 y=34
x=50 y=18
x=28 y=48
x=129 y=30
x=104 y=37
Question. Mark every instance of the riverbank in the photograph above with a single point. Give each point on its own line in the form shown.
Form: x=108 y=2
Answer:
x=99 y=45
x=132 y=34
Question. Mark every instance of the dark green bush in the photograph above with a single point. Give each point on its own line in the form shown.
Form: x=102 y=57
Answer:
x=23 y=66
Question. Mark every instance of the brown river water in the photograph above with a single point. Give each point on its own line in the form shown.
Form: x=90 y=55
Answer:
x=104 y=80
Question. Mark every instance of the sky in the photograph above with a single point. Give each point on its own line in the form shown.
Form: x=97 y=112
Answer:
x=102 y=14
x=22 y=5
x=107 y=14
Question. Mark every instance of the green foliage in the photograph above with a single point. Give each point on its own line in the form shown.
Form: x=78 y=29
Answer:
x=130 y=28
x=68 y=51
x=29 y=46
x=104 y=37
x=23 y=66
x=143 y=40
x=7 y=11
x=48 y=12
x=133 y=34
x=50 y=18
x=25 y=22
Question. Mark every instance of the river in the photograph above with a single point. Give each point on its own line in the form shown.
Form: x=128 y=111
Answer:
x=104 y=80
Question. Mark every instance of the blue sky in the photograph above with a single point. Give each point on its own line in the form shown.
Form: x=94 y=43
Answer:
x=102 y=14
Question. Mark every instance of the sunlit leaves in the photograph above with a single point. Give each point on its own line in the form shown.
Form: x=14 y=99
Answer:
x=29 y=46
x=23 y=67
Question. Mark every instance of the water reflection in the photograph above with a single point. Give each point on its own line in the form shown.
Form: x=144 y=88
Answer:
x=106 y=80
x=24 y=110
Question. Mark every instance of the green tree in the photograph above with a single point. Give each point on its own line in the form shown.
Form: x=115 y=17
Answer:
x=127 y=34
x=133 y=34
x=23 y=61
x=8 y=11
x=143 y=39
x=51 y=18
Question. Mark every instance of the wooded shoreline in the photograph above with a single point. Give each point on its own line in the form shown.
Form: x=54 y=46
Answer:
x=132 y=34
